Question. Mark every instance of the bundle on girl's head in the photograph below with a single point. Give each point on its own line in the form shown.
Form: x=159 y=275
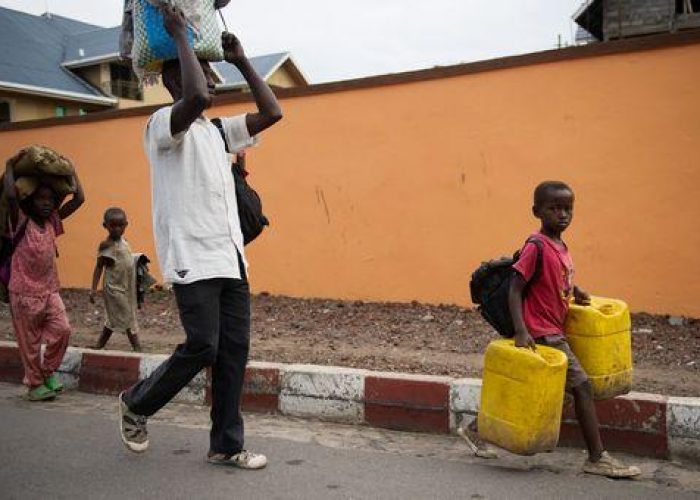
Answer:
x=36 y=165
x=33 y=168
x=147 y=43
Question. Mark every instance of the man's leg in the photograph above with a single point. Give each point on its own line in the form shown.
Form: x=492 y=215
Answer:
x=229 y=370
x=198 y=304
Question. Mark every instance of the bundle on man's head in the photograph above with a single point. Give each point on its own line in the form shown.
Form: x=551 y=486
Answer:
x=147 y=43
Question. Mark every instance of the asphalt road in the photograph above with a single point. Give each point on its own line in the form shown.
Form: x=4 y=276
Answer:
x=71 y=449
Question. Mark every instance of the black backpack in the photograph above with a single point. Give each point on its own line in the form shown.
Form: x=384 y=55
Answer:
x=490 y=285
x=7 y=248
x=250 y=212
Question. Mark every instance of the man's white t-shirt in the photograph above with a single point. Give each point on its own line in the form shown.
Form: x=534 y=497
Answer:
x=195 y=215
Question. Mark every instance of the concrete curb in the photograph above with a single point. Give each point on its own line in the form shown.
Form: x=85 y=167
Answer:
x=643 y=424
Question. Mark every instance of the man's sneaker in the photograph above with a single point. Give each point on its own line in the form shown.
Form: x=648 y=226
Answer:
x=609 y=467
x=132 y=428
x=40 y=393
x=53 y=383
x=478 y=446
x=243 y=460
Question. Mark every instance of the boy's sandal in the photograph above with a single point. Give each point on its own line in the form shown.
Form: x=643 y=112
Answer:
x=478 y=446
x=609 y=467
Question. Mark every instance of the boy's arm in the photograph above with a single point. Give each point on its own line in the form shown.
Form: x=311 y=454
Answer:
x=269 y=110
x=195 y=97
x=69 y=207
x=11 y=193
x=515 y=304
x=96 y=275
x=581 y=297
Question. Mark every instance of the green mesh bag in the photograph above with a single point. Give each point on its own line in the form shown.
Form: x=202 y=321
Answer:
x=152 y=45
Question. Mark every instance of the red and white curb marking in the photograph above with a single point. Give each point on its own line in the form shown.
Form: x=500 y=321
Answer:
x=315 y=391
x=644 y=424
x=683 y=427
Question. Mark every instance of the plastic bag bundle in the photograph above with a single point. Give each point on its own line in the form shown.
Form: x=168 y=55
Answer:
x=151 y=43
x=34 y=165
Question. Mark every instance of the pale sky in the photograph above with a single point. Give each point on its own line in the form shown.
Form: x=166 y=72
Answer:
x=332 y=40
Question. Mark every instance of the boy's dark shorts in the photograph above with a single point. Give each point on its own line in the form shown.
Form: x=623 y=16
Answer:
x=575 y=374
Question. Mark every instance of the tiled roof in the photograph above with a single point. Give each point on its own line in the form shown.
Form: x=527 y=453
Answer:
x=264 y=65
x=40 y=49
x=33 y=50
x=92 y=45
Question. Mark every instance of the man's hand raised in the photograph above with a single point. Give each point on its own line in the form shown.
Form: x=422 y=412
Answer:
x=233 y=50
x=174 y=20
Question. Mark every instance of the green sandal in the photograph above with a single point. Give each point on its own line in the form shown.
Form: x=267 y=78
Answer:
x=40 y=393
x=53 y=384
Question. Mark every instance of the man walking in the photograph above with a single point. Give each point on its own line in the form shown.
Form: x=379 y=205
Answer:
x=200 y=245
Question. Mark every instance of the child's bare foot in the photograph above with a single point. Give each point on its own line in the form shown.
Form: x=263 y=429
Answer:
x=134 y=341
x=104 y=338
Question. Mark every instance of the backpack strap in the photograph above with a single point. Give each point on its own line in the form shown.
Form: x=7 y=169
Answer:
x=540 y=258
x=220 y=127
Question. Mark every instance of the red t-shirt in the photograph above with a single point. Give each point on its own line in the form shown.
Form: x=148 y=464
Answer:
x=546 y=301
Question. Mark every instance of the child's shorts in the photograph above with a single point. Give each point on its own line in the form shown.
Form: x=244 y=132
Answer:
x=575 y=374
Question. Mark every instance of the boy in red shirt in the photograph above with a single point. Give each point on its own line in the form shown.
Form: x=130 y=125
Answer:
x=538 y=318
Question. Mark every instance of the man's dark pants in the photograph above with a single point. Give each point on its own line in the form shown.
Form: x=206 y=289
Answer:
x=215 y=314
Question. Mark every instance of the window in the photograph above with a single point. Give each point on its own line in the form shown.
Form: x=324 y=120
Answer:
x=5 y=112
x=687 y=6
x=61 y=111
x=124 y=83
x=82 y=112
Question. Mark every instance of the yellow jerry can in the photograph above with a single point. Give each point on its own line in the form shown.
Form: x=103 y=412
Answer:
x=600 y=336
x=522 y=395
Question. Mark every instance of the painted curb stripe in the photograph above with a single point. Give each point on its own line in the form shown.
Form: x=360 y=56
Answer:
x=107 y=374
x=645 y=424
x=395 y=402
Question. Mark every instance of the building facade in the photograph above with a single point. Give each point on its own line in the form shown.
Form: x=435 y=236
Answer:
x=614 y=19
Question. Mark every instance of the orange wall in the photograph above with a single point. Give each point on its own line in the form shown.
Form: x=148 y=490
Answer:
x=398 y=192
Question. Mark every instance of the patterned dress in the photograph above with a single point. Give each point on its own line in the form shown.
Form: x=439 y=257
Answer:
x=38 y=313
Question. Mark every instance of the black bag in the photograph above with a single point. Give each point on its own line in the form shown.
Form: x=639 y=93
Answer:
x=490 y=285
x=7 y=248
x=250 y=213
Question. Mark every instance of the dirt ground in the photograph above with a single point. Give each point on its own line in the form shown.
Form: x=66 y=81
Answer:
x=415 y=338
